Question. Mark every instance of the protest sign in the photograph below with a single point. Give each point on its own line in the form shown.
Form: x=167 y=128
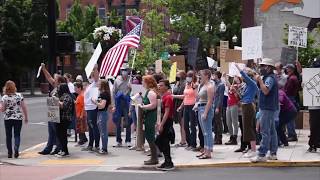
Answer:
x=233 y=55
x=53 y=109
x=288 y=56
x=252 y=43
x=201 y=63
x=297 y=36
x=93 y=61
x=173 y=72
x=311 y=86
x=158 y=66
x=138 y=88
x=233 y=70
x=181 y=63
x=193 y=46
x=224 y=46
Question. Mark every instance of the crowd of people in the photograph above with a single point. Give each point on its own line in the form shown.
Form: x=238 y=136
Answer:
x=263 y=102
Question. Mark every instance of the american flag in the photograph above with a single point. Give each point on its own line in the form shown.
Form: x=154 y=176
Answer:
x=132 y=22
x=114 y=58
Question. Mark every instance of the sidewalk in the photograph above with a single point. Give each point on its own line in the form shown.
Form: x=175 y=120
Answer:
x=223 y=156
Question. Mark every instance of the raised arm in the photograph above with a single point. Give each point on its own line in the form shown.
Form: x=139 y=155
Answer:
x=47 y=75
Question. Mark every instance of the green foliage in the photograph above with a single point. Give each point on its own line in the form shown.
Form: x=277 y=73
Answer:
x=85 y=54
x=156 y=42
x=306 y=55
x=80 y=23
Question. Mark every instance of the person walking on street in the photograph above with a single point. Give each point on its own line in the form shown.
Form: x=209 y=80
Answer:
x=247 y=92
x=218 y=106
x=268 y=106
x=66 y=110
x=103 y=102
x=121 y=93
x=206 y=112
x=165 y=126
x=15 y=111
x=81 y=114
x=90 y=93
x=149 y=107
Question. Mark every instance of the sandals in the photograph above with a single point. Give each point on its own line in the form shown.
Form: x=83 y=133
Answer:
x=198 y=156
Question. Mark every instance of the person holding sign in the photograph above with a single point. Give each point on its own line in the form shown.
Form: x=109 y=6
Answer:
x=15 y=111
x=150 y=116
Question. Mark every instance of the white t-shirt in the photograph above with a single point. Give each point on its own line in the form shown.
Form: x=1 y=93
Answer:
x=71 y=87
x=91 y=92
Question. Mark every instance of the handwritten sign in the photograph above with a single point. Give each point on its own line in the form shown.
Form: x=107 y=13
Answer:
x=297 y=36
x=224 y=46
x=158 y=66
x=252 y=43
x=311 y=86
x=53 y=109
x=288 y=56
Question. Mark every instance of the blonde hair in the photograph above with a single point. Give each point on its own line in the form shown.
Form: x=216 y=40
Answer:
x=9 y=88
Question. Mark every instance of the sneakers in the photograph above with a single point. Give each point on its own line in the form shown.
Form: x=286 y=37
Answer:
x=62 y=154
x=118 y=145
x=272 y=157
x=166 y=166
x=292 y=139
x=258 y=159
x=250 y=154
x=151 y=162
x=103 y=152
x=95 y=149
x=312 y=150
x=88 y=148
x=128 y=144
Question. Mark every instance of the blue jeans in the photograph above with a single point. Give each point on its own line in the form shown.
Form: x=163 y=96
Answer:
x=52 y=138
x=206 y=126
x=103 y=129
x=285 y=118
x=124 y=111
x=268 y=132
x=16 y=126
x=190 y=124
x=94 y=135
x=133 y=114
x=291 y=126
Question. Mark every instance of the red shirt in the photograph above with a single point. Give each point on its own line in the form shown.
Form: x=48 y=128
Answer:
x=292 y=86
x=167 y=102
x=232 y=98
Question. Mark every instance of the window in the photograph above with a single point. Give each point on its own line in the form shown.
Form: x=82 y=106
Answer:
x=102 y=12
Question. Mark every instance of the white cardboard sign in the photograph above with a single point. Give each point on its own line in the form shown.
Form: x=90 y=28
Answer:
x=233 y=70
x=93 y=61
x=252 y=43
x=297 y=36
x=311 y=86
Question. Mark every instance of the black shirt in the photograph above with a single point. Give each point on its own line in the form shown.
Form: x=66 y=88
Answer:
x=104 y=96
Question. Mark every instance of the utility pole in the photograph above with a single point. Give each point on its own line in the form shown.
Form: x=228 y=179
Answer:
x=52 y=36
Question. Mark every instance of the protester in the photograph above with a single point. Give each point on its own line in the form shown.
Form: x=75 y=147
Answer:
x=206 y=112
x=81 y=116
x=103 y=102
x=288 y=113
x=52 y=138
x=233 y=110
x=292 y=89
x=189 y=116
x=150 y=116
x=178 y=116
x=90 y=93
x=15 y=111
x=218 y=106
x=165 y=126
x=68 y=77
x=121 y=93
x=268 y=105
x=314 y=114
x=66 y=104
x=247 y=93
x=281 y=76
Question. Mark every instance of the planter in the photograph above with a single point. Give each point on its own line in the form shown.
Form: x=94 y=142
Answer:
x=44 y=87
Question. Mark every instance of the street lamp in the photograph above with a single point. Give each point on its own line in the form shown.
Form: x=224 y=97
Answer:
x=207 y=28
x=234 y=39
x=223 y=27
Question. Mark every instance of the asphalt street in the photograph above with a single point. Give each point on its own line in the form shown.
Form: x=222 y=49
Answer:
x=250 y=173
x=33 y=133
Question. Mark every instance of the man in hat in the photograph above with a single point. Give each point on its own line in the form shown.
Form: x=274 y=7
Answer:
x=268 y=106
x=121 y=93
x=291 y=88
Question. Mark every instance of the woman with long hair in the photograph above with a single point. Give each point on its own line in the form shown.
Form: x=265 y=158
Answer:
x=150 y=116
x=66 y=104
x=14 y=108
x=206 y=112
x=103 y=102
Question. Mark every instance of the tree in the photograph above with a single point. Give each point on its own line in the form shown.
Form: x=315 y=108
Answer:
x=156 y=42
x=23 y=23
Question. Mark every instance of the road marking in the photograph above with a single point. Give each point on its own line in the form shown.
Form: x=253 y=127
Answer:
x=40 y=123
x=34 y=147
x=27 y=155
x=72 y=162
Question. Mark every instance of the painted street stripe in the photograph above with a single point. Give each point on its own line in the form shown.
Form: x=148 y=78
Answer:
x=72 y=162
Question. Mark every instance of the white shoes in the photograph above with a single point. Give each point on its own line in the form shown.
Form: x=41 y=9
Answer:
x=250 y=154
x=272 y=157
x=258 y=159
